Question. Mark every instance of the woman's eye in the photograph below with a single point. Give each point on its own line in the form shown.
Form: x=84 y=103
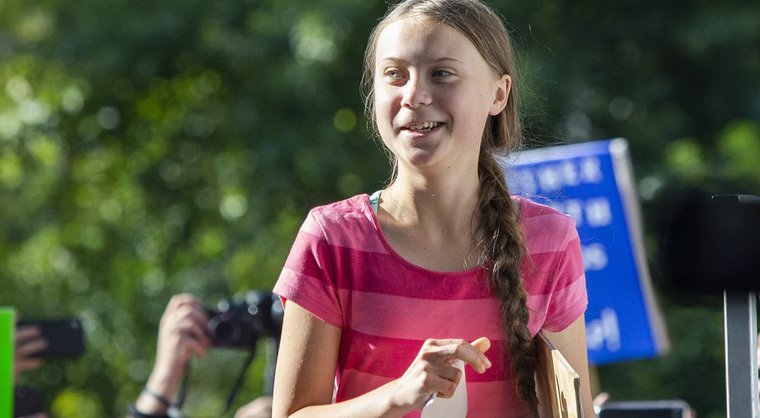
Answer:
x=441 y=73
x=393 y=75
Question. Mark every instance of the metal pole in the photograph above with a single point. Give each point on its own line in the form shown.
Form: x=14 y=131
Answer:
x=740 y=329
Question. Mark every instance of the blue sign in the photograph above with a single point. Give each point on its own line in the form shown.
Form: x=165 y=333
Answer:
x=593 y=182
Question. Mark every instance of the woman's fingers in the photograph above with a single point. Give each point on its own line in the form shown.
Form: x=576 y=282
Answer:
x=27 y=332
x=182 y=332
x=435 y=370
x=193 y=346
x=28 y=363
x=28 y=341
x=444 y=388
x=200 y=323
x=30 y=347
x=445 y=371
x=446 y=379
x=482 y=344
x=185 y=315
x=462 y=350
x=178 y=307
x=181 y=299
x=192 y=322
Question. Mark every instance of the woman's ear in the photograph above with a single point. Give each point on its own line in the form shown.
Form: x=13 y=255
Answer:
x=503 y=87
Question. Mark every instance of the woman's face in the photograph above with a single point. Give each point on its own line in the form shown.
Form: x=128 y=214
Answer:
x=433 y=95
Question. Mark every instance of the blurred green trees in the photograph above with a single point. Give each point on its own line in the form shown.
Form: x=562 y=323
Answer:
x=151 y=148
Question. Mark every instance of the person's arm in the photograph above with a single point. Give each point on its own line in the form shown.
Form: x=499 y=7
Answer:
x=306 y=365
x=571 y=342
x=181 y=335
x=260 y=407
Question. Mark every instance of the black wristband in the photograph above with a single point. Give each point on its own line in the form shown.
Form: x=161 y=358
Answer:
x=157 y=396
x=135 y=413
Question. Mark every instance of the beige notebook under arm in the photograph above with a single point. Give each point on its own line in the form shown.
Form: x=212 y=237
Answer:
x=558 y=386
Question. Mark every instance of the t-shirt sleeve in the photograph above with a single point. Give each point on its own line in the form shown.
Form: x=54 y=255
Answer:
x=308 y=277
x=568 y=299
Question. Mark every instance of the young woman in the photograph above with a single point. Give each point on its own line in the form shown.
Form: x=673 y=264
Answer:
x=384 y=292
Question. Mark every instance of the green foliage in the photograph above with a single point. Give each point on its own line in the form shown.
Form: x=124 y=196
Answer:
x=151 y=148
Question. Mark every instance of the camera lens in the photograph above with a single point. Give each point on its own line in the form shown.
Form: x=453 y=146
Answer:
x=222 y=329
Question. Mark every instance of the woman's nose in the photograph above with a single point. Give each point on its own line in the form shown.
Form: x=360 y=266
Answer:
x=416 y=92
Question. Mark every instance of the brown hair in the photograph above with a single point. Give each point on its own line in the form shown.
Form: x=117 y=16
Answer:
x=497 y=214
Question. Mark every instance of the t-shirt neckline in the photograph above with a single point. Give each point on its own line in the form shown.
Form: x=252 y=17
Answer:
x=381 y=236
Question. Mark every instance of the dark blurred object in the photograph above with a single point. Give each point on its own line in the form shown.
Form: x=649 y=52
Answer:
x=240 y=324
x=646 y=409
x=712 y=244
x=65 y=337
x=27 y=401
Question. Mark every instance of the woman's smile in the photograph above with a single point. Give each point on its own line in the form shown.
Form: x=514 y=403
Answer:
x=420 y=129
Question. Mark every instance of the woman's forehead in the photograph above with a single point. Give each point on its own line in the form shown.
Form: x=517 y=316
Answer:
x=421 y=38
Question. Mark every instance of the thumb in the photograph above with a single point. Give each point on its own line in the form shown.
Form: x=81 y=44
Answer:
x=482 y=344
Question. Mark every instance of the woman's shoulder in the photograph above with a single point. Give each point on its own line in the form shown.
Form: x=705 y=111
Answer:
x=348 y=216
x=541 y=221
x=348 y=223
x=349 y=207
x=532 y=209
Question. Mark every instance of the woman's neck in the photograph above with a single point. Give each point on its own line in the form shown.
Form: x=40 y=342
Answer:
x=429 y=221
x=431 y=202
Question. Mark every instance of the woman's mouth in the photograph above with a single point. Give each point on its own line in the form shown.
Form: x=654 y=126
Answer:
x=422 y=127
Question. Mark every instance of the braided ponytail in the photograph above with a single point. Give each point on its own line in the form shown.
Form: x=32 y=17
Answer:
x=503 y=246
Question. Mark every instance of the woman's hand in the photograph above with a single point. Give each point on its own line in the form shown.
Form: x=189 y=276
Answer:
x=432 y=371
x=27 y=342
x=181 y=335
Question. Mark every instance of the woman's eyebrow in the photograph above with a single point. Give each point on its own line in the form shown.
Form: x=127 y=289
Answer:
x=393 y=58
x=442 y=59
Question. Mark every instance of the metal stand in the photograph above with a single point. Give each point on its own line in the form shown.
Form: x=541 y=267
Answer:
x=740 y=329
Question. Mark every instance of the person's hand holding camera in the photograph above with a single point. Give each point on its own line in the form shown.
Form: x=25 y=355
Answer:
x=27 y=341
x=181 y=335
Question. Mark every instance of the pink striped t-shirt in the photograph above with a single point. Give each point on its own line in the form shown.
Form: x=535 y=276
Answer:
x=343 y=271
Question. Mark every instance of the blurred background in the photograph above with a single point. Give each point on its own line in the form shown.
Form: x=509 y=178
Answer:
x=151 y=148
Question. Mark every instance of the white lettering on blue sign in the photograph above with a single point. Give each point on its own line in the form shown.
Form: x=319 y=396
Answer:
x=595 y=212
x=570 y=173
x=591 y=170
x=554 y=177
x=598 y=212
x=574 y=208
x=549 y=178
x=594 y=257
x=604 y=332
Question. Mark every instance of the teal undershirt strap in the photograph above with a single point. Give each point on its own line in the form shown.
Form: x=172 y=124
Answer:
x=374 y=200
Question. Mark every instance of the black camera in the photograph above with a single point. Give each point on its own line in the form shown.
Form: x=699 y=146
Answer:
x=240 y=324
x=713 y=243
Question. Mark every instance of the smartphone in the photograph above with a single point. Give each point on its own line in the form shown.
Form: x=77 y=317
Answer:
x=65 y=337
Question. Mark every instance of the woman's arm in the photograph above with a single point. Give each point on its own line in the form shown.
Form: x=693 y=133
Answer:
x=306 y=365
x=306 y=362
x=571 y=342
x=305 y=372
